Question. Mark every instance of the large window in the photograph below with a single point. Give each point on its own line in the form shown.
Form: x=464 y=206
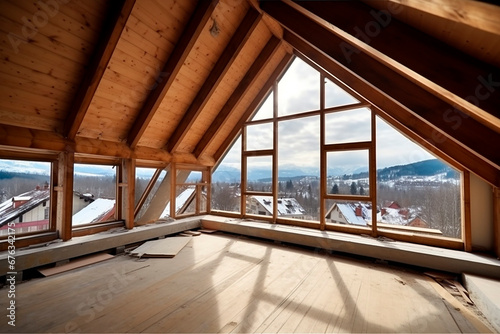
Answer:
x=317 y=148
x=25 y=196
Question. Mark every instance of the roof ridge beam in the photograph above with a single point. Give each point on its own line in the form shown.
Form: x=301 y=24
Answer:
x=93 y=75
x=253 y=72
x=229 y=55
x=183 y=47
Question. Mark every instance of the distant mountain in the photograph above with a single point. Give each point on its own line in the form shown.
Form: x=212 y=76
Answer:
x=422 y=168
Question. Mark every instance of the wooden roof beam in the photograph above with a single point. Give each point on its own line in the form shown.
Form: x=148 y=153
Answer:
x=229 y=55
x=253 y=72
x=476 y=14
x=459 y=79
x=190 y=35
x=393 y=92
x=111 y=33
x=435 y=139
x=221 y=151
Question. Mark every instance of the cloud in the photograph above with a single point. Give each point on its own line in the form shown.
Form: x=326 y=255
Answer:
x=393 y=148
x=298 y=89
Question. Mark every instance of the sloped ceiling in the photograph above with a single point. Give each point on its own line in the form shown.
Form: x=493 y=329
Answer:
x=170 y=80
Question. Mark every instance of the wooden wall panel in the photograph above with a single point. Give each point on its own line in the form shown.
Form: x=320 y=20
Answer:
x=43 y=52
x=198 y=65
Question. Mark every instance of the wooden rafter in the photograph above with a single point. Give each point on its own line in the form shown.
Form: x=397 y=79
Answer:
x=202 y=14
x=223 y=64
x=460 y=140
x=109 y=39
x=252 y=107
x=477 y=14
x=398 y=112
x=456 y=72
x=249 y=78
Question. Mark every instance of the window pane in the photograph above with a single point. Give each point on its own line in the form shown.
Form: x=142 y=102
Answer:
x=259 y=173
x=351 y=213
x=185 y=202
x=94 y=194
x=266 y=109
x=298 y=89
x=226 y=181
x=24 y=196
x=259 y=137
x=348 y=173
x=416 y=191
x=195 y=177
x=336 y=96
x=143 y=177
x=348 y=126
x=298 y=164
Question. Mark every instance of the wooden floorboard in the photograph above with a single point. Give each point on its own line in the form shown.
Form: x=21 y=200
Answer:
x=234 y=284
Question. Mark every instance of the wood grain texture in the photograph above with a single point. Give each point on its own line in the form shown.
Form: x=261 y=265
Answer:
x=220 y=283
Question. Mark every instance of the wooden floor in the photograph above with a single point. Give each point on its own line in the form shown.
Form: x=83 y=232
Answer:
x=226 y=283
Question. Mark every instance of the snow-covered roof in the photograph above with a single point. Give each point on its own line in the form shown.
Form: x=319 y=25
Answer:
x=33 y=198
x=180 y=201
x=286 y=206
x=348 y=210
x=94 y=212
x=396 y=216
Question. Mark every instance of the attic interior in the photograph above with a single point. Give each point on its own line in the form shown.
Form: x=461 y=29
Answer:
x=165 y=95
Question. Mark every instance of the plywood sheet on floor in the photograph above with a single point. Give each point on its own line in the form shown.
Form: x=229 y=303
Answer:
x=168 y=247
x=75 y=263
x=228 y=283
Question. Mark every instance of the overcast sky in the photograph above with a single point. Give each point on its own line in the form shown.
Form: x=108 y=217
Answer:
x=299 y=142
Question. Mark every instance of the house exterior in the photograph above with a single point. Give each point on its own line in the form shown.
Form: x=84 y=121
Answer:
x=287 y=207
x=30 y=211
x=349 y=214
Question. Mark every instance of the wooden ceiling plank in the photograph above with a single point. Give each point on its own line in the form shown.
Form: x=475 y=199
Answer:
x=172 y=67
x=253 y=72
x=223 y=64
x=398 y=112
x=445 y=69
x=426 y=106
x=110 y=36
x=226 y=145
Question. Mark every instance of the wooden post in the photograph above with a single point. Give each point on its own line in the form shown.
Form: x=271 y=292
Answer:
x=243 y=184
x=322 y=159
x=496 y=219
x=275 y=154
x=466 y=213
x=372 y=167
x=128 y=191
x=64 y=215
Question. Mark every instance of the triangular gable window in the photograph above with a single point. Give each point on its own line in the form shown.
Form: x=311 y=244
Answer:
x=340 y=151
